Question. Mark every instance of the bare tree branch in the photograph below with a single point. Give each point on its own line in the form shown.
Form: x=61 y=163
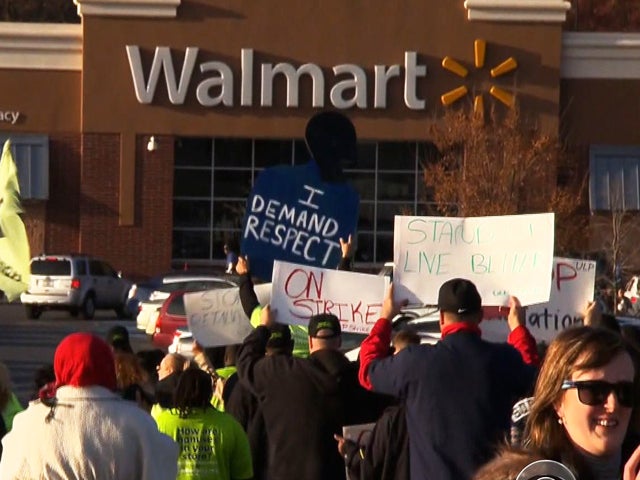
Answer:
x=508 y=167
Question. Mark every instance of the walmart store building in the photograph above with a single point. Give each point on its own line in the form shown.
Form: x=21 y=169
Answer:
x=140 y=132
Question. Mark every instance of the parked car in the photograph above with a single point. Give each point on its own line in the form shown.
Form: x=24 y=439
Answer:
x=79 y=284
x=632 y=292
x=141 y=291
x=172 y=316
x=149 y=309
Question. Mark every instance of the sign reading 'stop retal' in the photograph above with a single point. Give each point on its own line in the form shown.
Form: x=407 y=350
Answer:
x=348 y=88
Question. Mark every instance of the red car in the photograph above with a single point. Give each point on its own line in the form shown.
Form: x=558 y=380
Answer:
x=172 y=316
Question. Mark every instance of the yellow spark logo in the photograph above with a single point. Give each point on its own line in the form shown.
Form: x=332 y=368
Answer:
x=479 y=48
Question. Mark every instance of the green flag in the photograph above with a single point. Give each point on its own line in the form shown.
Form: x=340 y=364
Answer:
x=14 y=243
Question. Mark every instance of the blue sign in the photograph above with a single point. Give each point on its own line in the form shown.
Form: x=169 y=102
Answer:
x=295 y=216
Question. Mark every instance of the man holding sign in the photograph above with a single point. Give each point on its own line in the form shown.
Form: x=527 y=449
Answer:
x=299 y=213
x=305 y=401
x=459 y=392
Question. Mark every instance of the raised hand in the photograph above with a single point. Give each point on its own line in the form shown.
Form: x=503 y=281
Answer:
x=242 y=266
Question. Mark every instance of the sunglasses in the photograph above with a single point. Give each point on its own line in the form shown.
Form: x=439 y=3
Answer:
x=595 y=392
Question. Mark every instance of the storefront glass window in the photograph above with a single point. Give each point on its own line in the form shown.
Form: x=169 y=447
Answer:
x=193 y=152
x=384 y=246
x=365 y=248
x=364 y=182
x=397 y=156
x=228 y=214
x=192 y=182
x=213 y=178
x=273 y=152
x=232 y=183
x=367 y=217
x=366 y=156
x=233 y=153
x=191 y=244
x=192 y=213
x=396 y=186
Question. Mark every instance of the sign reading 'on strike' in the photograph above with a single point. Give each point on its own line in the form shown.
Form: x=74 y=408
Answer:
x=300 y=291
x=503 y=256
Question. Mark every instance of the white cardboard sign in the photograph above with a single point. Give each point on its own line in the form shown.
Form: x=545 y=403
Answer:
x=216 y=318
x=300 y=291
x=572 y=288
x=504 y=255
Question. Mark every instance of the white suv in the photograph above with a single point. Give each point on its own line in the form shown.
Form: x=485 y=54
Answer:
x=79 y=284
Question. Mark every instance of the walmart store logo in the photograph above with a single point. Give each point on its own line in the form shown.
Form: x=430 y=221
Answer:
x=479 y=47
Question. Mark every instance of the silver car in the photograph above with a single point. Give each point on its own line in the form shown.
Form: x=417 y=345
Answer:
x=79 y=284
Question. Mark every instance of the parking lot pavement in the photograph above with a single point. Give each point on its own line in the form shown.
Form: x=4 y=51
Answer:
x=26 y=345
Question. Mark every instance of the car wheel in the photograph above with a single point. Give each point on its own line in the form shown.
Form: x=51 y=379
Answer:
x=88 y=307
x=33 y=312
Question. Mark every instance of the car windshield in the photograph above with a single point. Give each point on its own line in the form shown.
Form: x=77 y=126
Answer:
x=51 y=267
x=351 y=340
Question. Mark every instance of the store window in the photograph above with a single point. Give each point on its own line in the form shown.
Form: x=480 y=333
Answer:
x=31 y=155
x=614 y=178
x=213 y=178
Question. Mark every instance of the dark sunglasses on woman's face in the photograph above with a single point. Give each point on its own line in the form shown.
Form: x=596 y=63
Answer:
x=596 y=392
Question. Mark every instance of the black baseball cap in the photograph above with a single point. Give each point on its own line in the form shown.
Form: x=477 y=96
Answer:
x=280 y=336
x=324 y=325
x=459 y=296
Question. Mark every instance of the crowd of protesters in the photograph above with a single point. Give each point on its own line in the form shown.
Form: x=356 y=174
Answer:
x=275 y=407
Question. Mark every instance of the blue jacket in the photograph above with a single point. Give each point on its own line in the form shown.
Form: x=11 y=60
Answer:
x=459 y=394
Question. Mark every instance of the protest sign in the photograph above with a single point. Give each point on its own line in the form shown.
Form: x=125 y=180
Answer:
x=216 y=317
x=572 y=288
x=503 y=256
x=293 y=215
x=359 y=434
x=300 y=291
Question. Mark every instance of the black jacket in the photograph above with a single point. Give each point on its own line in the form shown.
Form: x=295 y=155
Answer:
x=243 y=406
x=386 y=454
x=304 y=402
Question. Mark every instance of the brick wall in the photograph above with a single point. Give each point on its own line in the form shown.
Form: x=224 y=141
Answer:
x=142 y=249
x=63 y=207
x=35 y=219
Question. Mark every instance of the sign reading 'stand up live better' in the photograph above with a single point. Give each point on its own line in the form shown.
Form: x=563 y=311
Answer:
x=503 y=256
x=300 y=291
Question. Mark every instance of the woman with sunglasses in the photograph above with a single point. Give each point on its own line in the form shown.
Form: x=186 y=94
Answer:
x=582 y=404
